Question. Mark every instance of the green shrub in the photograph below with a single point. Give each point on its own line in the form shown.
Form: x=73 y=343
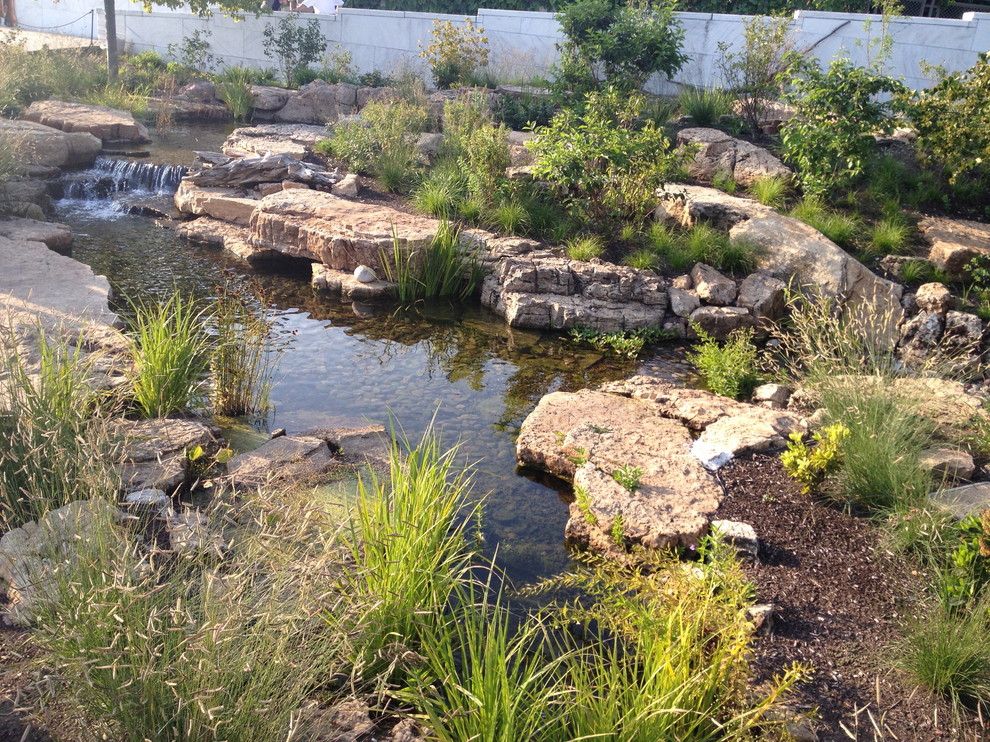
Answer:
x=383 y=143
x=461 y=117
x=770 y=190
x=234 y=89
x=194 y=52
x=950 y=118
x=620 y=44
x=510 y=216
x=485 y=159
x=705 y=244
x=755 y=72
x=627 y=343
x=839 y=111
x=669 y=246
x=171 y=356
x=441 y=192
x=455 y=53
x=915 y=272
x=337 y=66
x=730 y=368
x=811 y=465
x=609 y=168
x=967 y=570
x=293 y=47
x=526 y=111
x=705 y=106
x=643 y=259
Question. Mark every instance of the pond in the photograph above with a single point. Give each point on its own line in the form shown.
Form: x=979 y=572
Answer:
x=456 y=367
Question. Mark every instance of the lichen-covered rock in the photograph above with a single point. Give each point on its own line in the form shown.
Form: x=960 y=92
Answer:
x=935 y=297
x=586 y=436
x=763 y=295
x=683 y=301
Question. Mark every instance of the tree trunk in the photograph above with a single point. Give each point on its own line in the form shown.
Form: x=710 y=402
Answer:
x=113 y=63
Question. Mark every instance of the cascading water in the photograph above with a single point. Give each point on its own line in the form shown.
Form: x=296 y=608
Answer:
x=120 y=185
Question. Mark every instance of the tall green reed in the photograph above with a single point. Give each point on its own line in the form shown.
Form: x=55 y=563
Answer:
x=171 y=355
x=447 y=267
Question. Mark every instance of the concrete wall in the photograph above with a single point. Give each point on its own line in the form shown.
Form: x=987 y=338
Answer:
x=522 y=43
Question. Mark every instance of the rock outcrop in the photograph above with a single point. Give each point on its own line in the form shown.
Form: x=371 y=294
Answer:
x=717 y=152
x=556 y=293
x=106 y=124
x=155 y=451
x=295 y=140
x=954 y=242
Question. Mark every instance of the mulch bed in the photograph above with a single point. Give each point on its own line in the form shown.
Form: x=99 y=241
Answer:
x=840 y=601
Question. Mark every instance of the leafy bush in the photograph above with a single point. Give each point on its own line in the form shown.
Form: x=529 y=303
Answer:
x=526 y=111
x=810 y=465
x=293 y=47
x=730 y=368
x=839 y=111
x=950 y=118
x=623 y=43
x=609 y=167
x=383 y=143
x=486 y=156
x=337 y=66
x=455 y=53
x=628 y=343
x=194 y=51
x=967 y=570
x=754 y=74
x=461 y=117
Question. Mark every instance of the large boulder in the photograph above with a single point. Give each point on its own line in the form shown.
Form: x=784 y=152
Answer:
x=556 y=293
x=792 y=251
x=954 y=242
x=717 y=152
x=54 y=236
x=315 y=103
x=219 y=203
x=107 y=124
x=37 y=144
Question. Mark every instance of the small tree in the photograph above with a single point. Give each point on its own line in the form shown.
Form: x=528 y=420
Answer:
x=293 y=46
x=754 y=74
x=455 y=53
x=616 y=45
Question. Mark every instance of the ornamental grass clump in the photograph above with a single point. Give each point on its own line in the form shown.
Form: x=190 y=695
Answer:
x=447 y=267
x=171 y=352
x=55 y=446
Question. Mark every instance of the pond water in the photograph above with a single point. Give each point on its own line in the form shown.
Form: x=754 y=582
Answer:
x=457 y=367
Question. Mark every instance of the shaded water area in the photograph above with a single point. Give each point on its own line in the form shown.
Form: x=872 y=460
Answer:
x=348 y=364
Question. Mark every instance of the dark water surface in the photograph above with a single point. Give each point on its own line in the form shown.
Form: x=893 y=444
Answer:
x=345 y=364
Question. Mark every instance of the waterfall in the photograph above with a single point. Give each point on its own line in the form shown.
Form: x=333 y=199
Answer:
x=109 y=177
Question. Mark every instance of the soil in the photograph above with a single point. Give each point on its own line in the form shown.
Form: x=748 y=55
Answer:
x=840 y=601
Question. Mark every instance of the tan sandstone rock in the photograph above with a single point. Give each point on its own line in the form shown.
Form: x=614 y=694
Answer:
x=106 y=124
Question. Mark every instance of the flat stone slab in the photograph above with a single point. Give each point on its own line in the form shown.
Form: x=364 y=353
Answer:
x=587 y=436
x=344 y=284
x=296 y=140
x=236 y=239
x=964 y=501
x=688 y=205
x=954 y=242
x=42 y=286
x=106 y=124
x=57 y=237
